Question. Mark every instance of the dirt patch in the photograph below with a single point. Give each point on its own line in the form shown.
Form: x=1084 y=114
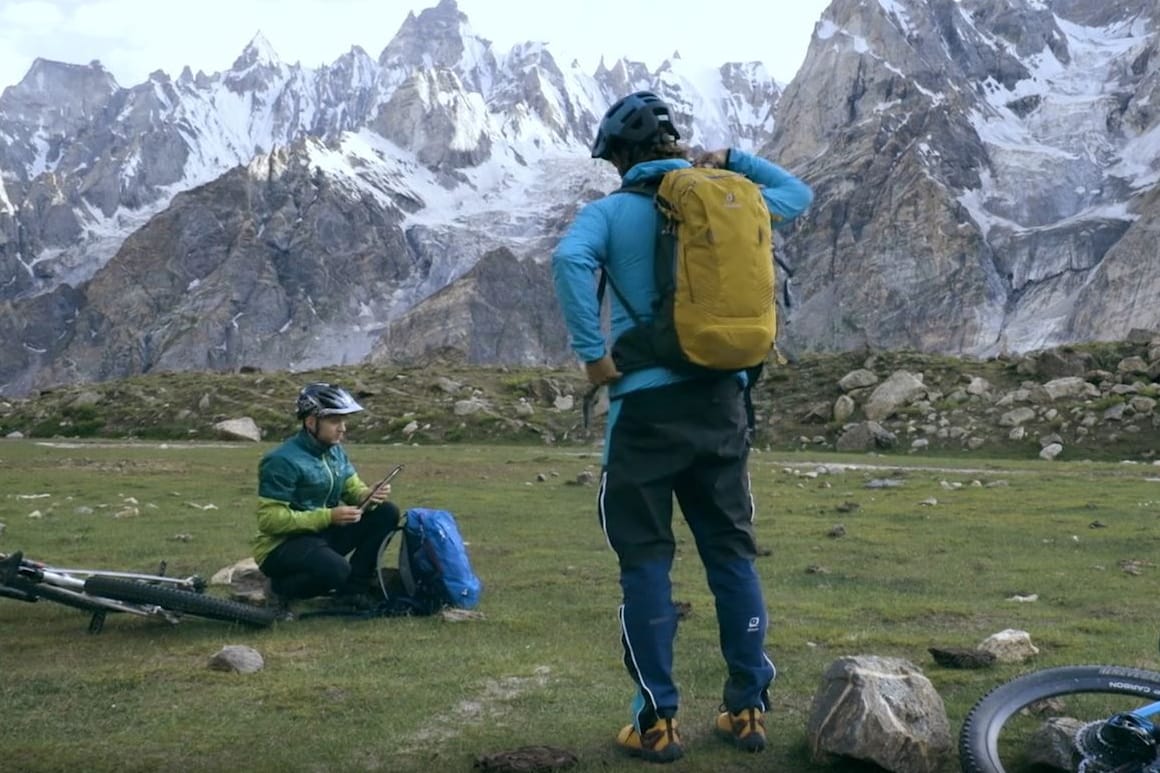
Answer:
x=491 y=701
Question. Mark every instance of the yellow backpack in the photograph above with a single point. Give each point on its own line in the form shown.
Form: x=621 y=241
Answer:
x=716 y=306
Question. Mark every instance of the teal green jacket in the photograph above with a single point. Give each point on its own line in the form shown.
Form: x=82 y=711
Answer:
x=298 y=483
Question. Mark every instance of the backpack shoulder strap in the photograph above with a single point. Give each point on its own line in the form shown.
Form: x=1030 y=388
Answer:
x=664 y=249
x=647 y=188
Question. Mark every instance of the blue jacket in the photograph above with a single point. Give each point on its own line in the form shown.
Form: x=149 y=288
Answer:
x=618 y=234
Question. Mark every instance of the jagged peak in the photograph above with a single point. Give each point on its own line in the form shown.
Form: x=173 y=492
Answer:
x=444 y=16
x=45 y=73
x=257 y=52
x=441 y=23
x=530 y=51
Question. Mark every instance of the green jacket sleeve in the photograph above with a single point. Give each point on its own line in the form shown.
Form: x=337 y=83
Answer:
x=353 y=490
x=276 y=517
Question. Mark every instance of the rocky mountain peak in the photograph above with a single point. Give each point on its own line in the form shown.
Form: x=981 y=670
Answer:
x=257 y=68
x=257 y=52
x=441 y=37
x=60 y=90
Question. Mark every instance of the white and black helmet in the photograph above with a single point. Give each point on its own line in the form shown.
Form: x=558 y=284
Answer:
x=322 y=399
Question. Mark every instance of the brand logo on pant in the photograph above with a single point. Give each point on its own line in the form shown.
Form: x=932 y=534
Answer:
x=754 y=624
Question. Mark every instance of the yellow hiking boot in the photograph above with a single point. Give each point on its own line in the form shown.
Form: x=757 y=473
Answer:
x=659 y=743
x=745 y=729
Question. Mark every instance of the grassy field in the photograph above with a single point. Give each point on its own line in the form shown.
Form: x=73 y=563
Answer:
x=544 y=666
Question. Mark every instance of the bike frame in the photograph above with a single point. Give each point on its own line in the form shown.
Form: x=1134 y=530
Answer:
x=1147 y=712
x=71 y=583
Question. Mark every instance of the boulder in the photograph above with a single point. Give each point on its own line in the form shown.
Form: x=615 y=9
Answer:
x=857 y=379
x=1010 y=646
x=242 y=428
x=865 y=436
x=899 y=390
x=880 y=710
x=1070 y=387
x=237 y=658
x=843 y=408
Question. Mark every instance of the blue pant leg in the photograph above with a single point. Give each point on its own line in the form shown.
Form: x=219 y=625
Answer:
x=742 y=621
x=648 y=626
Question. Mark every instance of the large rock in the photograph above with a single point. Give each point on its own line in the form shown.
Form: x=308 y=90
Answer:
x=1010 y=646
x=243 y=428
x=857 y=379
x=245 y=581
x=880 y=710
x=865 y=436
x=1070 y=387
x=899 y=390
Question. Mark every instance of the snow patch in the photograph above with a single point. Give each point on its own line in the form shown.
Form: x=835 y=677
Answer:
x=1047 y=137
x=5 y=204
x=898 y=12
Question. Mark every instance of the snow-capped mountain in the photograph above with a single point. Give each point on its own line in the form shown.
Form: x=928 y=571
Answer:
x=452 y=148
x=986 y=174
x=986 y=177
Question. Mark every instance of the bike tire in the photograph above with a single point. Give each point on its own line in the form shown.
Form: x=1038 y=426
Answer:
x=76 y=601
x=979 y=737
x=177 y=600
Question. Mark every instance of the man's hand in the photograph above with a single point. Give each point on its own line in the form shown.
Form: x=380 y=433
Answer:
x=380 y=496
x=602 y=371
x=345 y=514
x=713 y=158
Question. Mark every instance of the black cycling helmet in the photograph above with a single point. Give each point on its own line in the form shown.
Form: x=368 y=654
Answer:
x=636 y=119
x=321 y=399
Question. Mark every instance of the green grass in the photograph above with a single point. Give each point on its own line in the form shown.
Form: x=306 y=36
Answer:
x=544 y=666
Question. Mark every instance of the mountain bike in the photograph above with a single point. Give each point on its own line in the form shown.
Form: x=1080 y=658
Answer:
x=99 y=592
x=1104 y=717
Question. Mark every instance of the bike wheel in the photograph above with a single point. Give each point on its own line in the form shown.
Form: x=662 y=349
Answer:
x=177 y=600
x=61 y=596
x=995 y=733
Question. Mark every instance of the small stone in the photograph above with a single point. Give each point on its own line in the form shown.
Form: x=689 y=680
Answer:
x=237 y=658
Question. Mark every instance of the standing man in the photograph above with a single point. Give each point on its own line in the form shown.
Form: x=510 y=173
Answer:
x=309 y=518
x=667 y=433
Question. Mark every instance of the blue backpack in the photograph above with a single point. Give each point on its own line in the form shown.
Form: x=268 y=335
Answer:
x=434 y=564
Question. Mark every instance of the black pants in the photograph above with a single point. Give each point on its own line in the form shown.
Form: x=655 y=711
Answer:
x=689 y=439
x=313 y=564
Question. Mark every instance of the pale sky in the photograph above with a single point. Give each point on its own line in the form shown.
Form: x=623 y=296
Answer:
x=132 y=38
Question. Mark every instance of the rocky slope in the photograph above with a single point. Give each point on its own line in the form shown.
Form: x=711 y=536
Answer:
x=1093 y=402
